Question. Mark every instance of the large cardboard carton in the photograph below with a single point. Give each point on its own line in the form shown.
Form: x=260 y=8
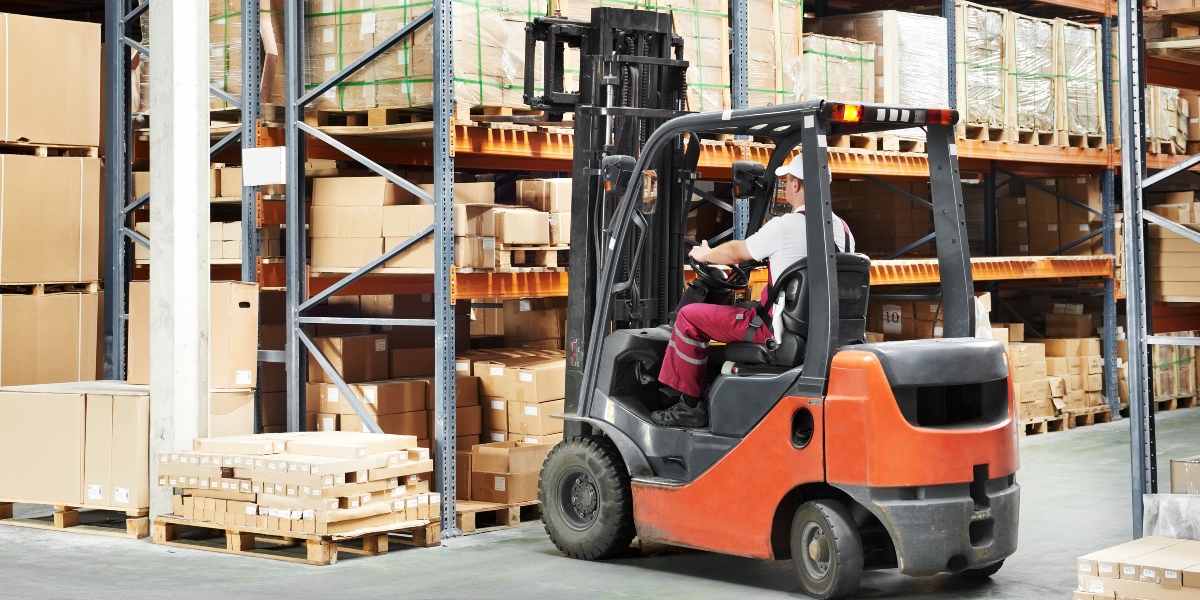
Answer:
x=357 y=358
x=1185 y=475
x=412 y=362
x=531 y=418
x=546 y=195
x=1020 y=355
x=358 y=191
x=1069 y=326
x=50 y=91
x=232 y=341
x=1027 y=373
x=521 y=226
x=230 y=412
x=49 y=219
x=506 y=472
x=538 y=382
x=378 y=397
x=1106 y=563
x=49 y=338
x=469 y=193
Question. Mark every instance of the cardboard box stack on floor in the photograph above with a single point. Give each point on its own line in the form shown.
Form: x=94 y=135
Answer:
x=1027 y=369
x=232 y=349
x=1150 y=568
x=51 y=210
x=302 y=482
x=80 y=444
x=507 y=472
x=1173 y=368
x=519 y=390
x=355 y=219
x=1078 y=363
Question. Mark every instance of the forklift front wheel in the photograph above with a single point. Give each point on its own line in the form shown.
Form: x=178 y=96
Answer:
x=826 y=550
x=587 y=505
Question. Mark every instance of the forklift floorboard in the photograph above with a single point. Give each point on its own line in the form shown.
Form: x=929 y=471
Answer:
x=1075 y=499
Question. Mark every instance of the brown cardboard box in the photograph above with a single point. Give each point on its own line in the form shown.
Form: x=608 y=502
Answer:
x=1106 y=563
x=231 y=181
x=495 y=414
x=560 y=228
x=358 y=191
x=530 y=418
x=357 y=358
x=468 y=420
x=51 y=84
x=230 y=412
x=328 y=422
x=546 y=195
x=1043 y=238
x=345 y=253
x=1057 y=366
x=49 y=220
x=232 y=341
x=414 y=423
x=1031 y=391
x=1069 y=326
x=350 y=221
x=378 y=397
x=537 y=382
x=469 y=193
x=1027 y=373
x=504 y=488
x=546 y=440
x=521 y=226
x=1068 y=347
x=1043 y=407
x=1025 y=354
x=466 y=388
x=49 y=338
x=1185 y=475
x=1058 y=387
x=1094 y=364
x=1089 y=347
x=1093 y=383
x=412 y=362
x=462 y=475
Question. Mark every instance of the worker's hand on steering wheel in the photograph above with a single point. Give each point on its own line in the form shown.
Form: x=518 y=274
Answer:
x=700 y=253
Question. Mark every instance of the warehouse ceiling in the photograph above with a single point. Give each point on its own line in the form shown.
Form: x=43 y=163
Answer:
x=79 y=10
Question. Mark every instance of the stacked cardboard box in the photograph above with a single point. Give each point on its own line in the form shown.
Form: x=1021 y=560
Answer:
x=1173 y=368
x=507 y=472
x=551 y=196
x=1151 y=568
x=1185 y=475
x=519 y=390
x=534 y=323
x=90 y=444
x=225 y=240
x=1030 y=381
x=1171 y=259
x=1077 y=362
x=1038 y=222
x=302 y=482
x=881 y=220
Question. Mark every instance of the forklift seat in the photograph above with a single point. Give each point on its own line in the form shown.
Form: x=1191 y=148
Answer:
x=854 y=283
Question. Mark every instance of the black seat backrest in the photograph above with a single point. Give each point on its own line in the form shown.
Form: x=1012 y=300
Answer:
x=854 y=284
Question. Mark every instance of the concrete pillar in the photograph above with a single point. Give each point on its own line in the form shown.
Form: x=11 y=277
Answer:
x=179 y=216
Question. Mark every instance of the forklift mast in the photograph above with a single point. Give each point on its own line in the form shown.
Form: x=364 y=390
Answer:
x=631 y=80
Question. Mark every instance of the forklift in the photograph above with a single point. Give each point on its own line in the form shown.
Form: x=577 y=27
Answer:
x=839 y=454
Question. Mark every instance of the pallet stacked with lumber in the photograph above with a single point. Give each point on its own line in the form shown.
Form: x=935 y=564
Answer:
x=318 y=487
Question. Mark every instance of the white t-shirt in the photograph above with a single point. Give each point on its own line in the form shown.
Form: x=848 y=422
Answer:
x=784 y=240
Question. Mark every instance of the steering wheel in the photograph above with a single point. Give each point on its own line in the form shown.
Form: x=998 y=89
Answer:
x=738 y=279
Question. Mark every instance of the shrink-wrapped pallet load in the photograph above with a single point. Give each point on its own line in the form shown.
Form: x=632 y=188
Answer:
x=982 y=65
x=1032 y=74
x=834 y=68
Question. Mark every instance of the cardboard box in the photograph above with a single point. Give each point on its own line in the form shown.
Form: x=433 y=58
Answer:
x=350 y=221
x=51 y=85
x=230 y=412
x=537 y=382
x=231 y=181
x=545 y=440
x=1185 y=475
x=1068 y=347
x=358 y=191
x=560 y=229
x=546 y=195
x=232 y=338
x=1020 y=355
x=462 y=475
x=1027 y=373
x=346 y=253
x=1058 y=387
x=378 y=397
x=505 y=488
x=1069 y=326
x=469 y=193
x=49 y=338
x=1031 y=391
x=1057 y=366
x=1089 y=347
x=357 y=358
x=521 y=226
x=1043 y=407
x=412 y=362
x=531 y=418
x=50 y=217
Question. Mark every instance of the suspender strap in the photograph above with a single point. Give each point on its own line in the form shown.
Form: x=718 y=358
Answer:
x=755 y=324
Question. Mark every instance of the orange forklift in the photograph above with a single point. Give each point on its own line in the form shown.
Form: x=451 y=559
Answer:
x=839 y=454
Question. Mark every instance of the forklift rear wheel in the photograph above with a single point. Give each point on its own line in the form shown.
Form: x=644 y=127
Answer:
x=587 y=505
x=826 y=550
x=982 y=572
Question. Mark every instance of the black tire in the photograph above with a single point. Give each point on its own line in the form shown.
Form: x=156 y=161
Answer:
x=587 y=506
x=982 y=572
x=826 y=550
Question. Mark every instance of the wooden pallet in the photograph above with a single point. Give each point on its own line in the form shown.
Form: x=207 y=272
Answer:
x=855 y=142
x=1033 y=137
x=891 y=143
x=1088 y=141
x=986 y=133
x=41 y=289
x=44 y=150
x=1043 y=425
x=305 y=548
x=531 y=256
x=481 y=517
x=1082 y=417
x=1175 y=401
x=133 y=524
x=271 y=113
x=1161 y=147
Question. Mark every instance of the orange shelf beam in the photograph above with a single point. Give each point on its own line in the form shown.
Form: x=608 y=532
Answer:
x=925 y=271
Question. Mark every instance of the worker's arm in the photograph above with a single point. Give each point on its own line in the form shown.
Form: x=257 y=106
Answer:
x=733 y=252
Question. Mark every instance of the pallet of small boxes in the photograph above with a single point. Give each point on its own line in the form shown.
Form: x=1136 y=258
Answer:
x=330 y=486
x=1150 y=568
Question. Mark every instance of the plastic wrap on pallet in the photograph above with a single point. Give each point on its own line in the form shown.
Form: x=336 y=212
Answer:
x=704 y=27
x=775 y=27
x=1162 y=115
x=1033 y=73
x=1079 y=71
x=833 y=68
x=906 y=44
x=489 y=52
x=983 y=59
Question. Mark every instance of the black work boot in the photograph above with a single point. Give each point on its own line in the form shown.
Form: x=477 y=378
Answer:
x=682 y=415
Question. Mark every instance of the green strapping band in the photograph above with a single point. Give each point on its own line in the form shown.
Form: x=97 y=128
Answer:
x=1172 y=363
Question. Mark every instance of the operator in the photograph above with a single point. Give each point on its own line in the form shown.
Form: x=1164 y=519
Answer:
x=783 y=241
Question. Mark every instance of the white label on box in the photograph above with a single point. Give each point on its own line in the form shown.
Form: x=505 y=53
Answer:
x=1022 y=224
x=937 y=332
x=332 y=93
x=368 y=24
x=496 y=371
x=297 y=515
x=381 y=345
x=1081 y=180
x=204 y=460
x=526 y=377
x=121 y=495
x=174 y=458
x=1052 y=227
x=362 y=451
x=163 y=459
x=410 y=503
x=251 y=509
x=330 y=64
x=310 y=515
x=263 y=511
x=462 y=368
x=489 y=243
x=316 y=493
x=891 y=318
x=398 y=505
x=497 y=405
x=1084 y=227
x=333 y=395
x=327 y=423
x=531 y=411
x=422 y=499
x=1024 y=247
x=218 y=52
x=526 y=305
x=497 y=437
x=530 y=440
x=242 y=378
x=500 y=483
x=369 y=395
x=326 y=6
x=1102 y=568
x=1021 y=201
x=1128 y=570
x=95 y=492
x=173 y=482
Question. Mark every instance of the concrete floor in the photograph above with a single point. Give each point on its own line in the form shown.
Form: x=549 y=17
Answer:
x=1075 y=500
